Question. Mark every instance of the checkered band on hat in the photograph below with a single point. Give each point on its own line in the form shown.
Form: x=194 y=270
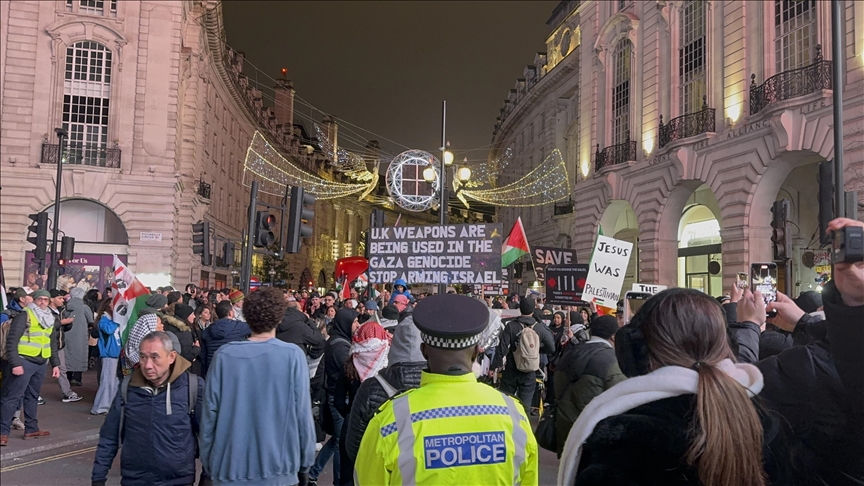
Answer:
x=450 y=343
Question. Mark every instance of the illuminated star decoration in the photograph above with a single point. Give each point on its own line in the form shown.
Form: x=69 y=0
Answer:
x=274 y=171
x=546 y=183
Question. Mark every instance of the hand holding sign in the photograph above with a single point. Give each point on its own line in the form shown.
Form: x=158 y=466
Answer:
x=606 y=274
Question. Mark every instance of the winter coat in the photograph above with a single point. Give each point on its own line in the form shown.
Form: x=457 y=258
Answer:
x=298 y=329
x=648 y=444
x=109 y=338
x=216 y=335
x=77 y=350
x=371 y=395
x=11 y=310
x=809 y=328
x=818 y=390
x=337 y=350
x=406 y=292
x=62 y=329
x=582 y=372
x=159 y=438
x=509 y=340
x=184 y=334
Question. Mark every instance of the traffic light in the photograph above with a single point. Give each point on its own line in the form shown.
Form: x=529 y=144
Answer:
x=39 y=228
x=781 y=237
x=201 y=240
x=264 y=223
x=299 y=218
x=228 y=254
x=67 y=250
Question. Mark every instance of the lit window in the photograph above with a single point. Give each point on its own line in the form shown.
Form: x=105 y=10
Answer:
x=691 y=57
x=86 y=93
x=92 y=6
x=794 y=33
x=621 y=93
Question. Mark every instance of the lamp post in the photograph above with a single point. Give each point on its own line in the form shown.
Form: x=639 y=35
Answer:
x=446 y=160
x=272 y=274
x=52 y=270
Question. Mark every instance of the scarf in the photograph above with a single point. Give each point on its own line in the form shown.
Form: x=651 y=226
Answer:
x=45 y=316
x=142 y=327
x=369 y=349
x=666 y=382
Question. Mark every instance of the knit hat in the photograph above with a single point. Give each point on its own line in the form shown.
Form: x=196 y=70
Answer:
x=235 y=296
x=183 y=311
x=604 y=327
x=371 y=305
x=40 y=293
x=156 y=301
x=527 y=306
x=390 y=312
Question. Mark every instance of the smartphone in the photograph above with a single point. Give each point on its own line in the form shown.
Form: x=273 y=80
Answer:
x=741 y=281
x=633 y=301
x=763 y=277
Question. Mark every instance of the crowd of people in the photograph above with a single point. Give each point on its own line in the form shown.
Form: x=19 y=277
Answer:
x=272 y=387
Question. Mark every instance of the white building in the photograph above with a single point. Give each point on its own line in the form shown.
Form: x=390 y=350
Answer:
x=681 y=123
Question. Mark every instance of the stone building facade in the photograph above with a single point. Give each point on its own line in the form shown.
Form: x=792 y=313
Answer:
x=682 y=122
x=159 y=117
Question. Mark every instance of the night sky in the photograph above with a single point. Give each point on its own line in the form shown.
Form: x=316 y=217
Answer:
x=386 y=66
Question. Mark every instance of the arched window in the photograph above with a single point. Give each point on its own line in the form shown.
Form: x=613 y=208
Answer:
x=795 y=33
x=691 y=57
x=86 y=93
x=621 y=93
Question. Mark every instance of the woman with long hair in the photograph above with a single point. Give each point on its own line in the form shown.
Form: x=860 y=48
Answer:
x=688 y=414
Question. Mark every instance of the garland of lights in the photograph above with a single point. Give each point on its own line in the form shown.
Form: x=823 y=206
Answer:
x=546 y=183
x=344 y=161
x=274 y=172
x=487 y=172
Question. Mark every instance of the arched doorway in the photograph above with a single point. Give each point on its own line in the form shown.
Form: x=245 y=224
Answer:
x=619 y=222
x=700 y=260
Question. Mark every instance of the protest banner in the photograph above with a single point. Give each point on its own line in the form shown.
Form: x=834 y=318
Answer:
x=608 y=268
x=450 y=254
x=546 y=255
x=565 y=284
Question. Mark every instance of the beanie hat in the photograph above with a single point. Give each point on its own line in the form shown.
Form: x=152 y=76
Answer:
x=527 y=306
x=40 y=293
x=390 y=312
x=156 y=301
x=371 y=305
x=604 y=327
x=235 y=296
x=183 y=311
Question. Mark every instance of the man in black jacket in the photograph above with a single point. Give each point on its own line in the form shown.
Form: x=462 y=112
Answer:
x=31 y=342
x=818 y=387
x=225 y=330
x=298 y=329
x=515 y=382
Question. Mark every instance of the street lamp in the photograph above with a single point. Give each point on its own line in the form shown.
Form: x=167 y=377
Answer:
x=429 y=174
x=463 y=174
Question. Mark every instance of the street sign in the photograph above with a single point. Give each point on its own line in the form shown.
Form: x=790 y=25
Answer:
x=565 y=284
x=649 y=288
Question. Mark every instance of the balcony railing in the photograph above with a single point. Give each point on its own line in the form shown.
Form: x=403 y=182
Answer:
x=615 y=154
x=79 y=154
x=563 y=207
x=791 y=84
x=688 y=125
x=204 y=190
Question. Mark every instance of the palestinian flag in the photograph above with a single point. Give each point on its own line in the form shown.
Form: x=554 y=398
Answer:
x=515 y=245
x=130 y=297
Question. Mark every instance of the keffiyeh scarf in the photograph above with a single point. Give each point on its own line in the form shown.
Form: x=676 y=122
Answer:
x=369 y=349
x=45 y=316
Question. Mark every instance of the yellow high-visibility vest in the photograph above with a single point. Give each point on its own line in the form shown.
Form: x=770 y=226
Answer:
x=450 y=431
x=37 y=340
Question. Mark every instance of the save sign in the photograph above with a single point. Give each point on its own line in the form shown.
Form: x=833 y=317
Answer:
x=606 y=275
x=544 y=255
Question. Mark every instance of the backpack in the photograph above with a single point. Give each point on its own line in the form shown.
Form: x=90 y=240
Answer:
x=526 y=356
x=124 y=394
x=4 y=333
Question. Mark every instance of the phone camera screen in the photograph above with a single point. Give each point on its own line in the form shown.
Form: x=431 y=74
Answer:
x=765 y=281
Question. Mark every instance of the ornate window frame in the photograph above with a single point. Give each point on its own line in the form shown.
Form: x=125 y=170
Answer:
x=822 y=36
x=623 y=25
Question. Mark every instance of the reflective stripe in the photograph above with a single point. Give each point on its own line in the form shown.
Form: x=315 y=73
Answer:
x=36 y=341
x=520 y=438
x=405 y=440
x=445 y=412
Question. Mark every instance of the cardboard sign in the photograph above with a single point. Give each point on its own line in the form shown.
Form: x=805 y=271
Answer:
x=565 y=283
x=608 y=268
x=649 y=288
x=542 y=256
x=451 y=254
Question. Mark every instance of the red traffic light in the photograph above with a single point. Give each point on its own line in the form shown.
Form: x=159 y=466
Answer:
x=268 y=221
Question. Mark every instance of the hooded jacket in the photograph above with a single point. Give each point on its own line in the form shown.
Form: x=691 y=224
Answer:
x=406 y=365
x=159 y=437
x=406 y=292
x=184 y=334
x=109 y=338
x=218 y=334
x=77 y=351
x=338 y=349
x=296 y=328
x=509 y=340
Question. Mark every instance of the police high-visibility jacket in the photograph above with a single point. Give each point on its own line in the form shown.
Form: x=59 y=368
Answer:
x=451 y=431
x=36 y=341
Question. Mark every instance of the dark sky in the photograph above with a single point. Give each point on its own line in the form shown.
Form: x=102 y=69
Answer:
x=386 y=66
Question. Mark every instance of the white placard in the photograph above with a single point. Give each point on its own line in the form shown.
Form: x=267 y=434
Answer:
x=608 y=267
x=149 y=236
x=649 y=288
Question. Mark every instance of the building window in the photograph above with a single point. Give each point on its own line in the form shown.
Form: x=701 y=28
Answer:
x=795 y=33
x=92 y=6
x=621 y=93
x=691 y=57
x=68 y=5
x=86 y=93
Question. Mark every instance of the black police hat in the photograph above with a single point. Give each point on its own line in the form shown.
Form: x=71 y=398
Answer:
x=451 y=321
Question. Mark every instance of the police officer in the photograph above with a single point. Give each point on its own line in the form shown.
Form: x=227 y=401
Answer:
x=451 y=430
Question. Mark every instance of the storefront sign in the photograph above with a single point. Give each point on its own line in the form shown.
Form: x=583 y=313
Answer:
x=544 y=255
x=607 y=271
x=648 y=288
x=150 y=236
x=451 y=254
x=565 y=283
x=84 y=271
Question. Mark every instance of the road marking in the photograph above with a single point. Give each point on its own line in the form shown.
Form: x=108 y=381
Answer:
x=47 y=459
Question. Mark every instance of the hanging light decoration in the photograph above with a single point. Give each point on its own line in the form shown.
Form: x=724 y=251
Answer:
x=350 y=164
x=546 y=183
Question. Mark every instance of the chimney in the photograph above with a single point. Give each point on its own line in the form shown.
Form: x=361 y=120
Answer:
x=331 y=130
x=284 y=104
